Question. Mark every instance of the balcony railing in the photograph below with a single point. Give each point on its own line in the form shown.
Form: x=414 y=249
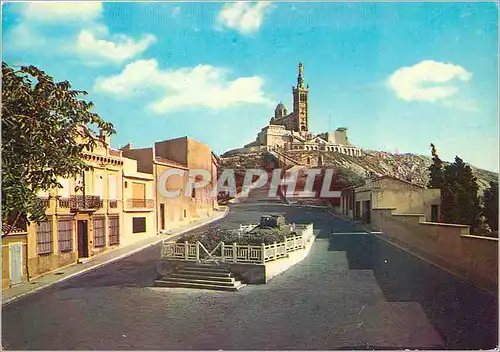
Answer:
x=81 y=202
x=45 y=202
x=138 y=203
x=64 y=203
x=113 y=203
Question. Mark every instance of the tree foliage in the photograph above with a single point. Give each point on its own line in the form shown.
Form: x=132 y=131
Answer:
x=459 y=190
x=436 y=171
x=42 y=138
x=490 y=202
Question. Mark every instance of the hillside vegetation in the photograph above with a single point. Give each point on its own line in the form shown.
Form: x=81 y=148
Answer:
x=410 y=167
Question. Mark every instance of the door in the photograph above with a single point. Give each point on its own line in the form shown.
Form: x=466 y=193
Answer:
x=367 y=210
x=83 y=246
x=138 y=195
x=434 y=213
x=162 y=216
x=16 y=263
x=357 y=213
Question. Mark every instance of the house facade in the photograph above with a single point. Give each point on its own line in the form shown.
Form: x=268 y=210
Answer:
x=139 y=210
x=192 y=154
x=386 y=192
x=83 y=218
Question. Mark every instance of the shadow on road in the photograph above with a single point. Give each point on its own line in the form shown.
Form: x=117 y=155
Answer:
x=465 y=316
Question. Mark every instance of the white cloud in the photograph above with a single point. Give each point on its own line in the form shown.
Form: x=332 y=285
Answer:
x=52 y=11
x=121 y=49
x=243 y=16
x=412 y=83
x=84 y=33
x=202 y=86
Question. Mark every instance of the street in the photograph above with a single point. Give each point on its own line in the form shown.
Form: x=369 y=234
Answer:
x=339 y=297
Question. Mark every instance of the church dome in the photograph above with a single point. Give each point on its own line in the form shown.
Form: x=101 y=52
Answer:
x=280 y=107
x=280 y=110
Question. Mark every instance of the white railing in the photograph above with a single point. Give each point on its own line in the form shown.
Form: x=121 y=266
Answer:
x=238 y=253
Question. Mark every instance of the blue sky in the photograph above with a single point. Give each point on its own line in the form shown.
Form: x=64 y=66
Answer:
x=398 y=75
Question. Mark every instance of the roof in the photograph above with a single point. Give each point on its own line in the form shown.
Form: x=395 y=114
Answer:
x=383 y=177
x=397 y=179
x=11 y=230
x=280 y=106
x=170 y=162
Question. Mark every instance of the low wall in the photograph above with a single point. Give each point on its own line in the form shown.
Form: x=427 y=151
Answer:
x=247 y=273
x=448 y=246
x=278 y=266
x=46 y=263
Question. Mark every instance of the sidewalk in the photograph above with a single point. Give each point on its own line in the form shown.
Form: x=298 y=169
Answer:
x=14 y=293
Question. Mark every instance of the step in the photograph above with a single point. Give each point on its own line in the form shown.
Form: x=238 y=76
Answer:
x=205 y=270
x=205 y=273
x=168 y=283
x=214 y=278
x=205 y=265
x=201 y=281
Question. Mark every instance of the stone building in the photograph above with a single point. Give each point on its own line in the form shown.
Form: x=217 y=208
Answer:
x=290 y=131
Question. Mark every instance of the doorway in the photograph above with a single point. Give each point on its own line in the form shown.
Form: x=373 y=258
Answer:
x=82 y=233
x=357 y=211
x=162 y=216
x=434 y=213
x=16 y=263
x=367 y=211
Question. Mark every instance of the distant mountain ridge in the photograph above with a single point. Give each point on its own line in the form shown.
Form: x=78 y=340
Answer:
x=408 y=166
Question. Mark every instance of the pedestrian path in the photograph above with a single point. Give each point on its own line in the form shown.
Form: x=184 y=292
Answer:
x=14 y=293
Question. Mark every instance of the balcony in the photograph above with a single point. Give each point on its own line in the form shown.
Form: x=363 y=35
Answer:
x=45 y=202
x=137 y=203
x=81 y=202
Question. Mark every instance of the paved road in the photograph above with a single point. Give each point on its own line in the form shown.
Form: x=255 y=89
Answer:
x=331 y=300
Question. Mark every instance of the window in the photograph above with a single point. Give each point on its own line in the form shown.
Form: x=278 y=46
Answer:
x=185 y=214
x=99 y=233
x=114 y=230
x=65 y=235
x=44 y=237
x=138 y=225
x=193 y=193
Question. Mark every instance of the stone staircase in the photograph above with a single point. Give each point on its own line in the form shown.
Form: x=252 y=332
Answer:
x=208 y=276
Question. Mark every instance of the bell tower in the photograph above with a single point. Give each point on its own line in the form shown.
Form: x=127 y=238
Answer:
x=300 y=102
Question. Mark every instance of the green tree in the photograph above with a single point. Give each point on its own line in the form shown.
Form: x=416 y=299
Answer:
x=460 y=201
x=42 y=138
x=490 y=201
x=436 y=170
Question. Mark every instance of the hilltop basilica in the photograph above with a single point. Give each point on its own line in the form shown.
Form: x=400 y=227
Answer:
x=290 y=131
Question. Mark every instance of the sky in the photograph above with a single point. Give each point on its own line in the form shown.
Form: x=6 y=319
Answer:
x=398 y=76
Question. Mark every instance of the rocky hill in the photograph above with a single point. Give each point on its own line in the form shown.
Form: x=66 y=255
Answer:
x=408 y=166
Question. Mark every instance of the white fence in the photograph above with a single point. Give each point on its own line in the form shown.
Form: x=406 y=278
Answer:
x=237 y=253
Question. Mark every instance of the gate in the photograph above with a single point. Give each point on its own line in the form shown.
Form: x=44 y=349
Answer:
x=16 y=263
x=207 y=256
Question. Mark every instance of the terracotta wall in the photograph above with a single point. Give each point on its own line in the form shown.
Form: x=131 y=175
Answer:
x=144 y=158
x=448 y=246
x=173 y=149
